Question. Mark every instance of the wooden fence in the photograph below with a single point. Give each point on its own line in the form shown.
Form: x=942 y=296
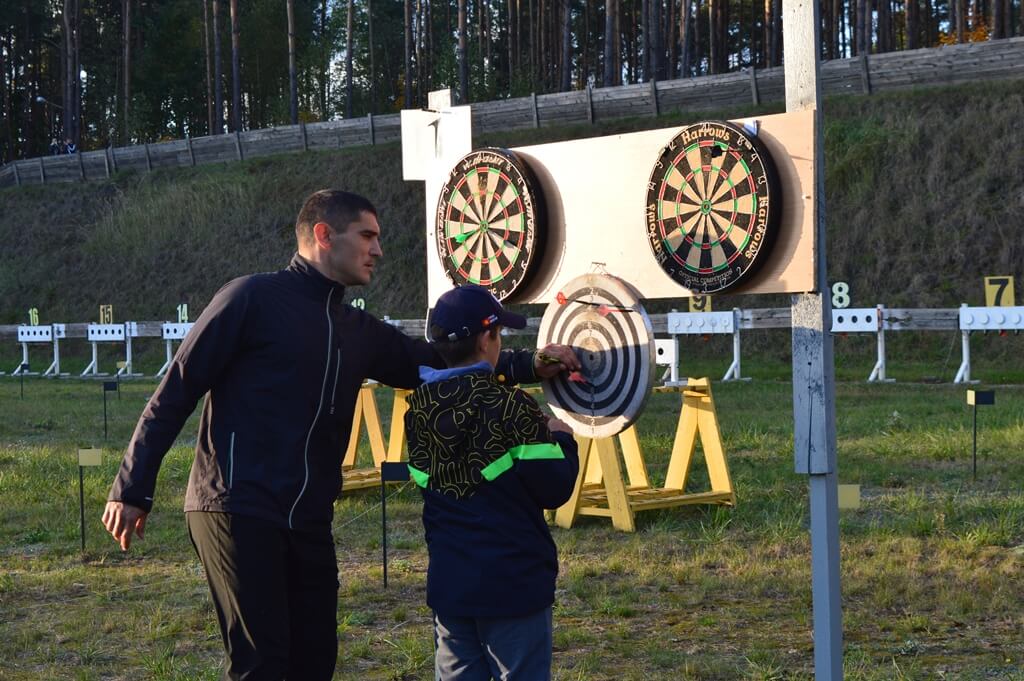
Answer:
x=859 y=75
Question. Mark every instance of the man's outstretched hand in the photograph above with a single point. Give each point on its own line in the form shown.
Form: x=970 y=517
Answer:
x=553 y=359
x=121 y=519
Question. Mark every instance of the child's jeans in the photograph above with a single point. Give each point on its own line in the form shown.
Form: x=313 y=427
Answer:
x=502 y=648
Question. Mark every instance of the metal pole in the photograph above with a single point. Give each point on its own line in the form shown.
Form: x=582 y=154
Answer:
x=813 y=362
x=974 y=455
x=81 y=504
x=104 y=387
x=384 y=529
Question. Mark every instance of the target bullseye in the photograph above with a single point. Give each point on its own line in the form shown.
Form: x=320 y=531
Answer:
x=601 y=317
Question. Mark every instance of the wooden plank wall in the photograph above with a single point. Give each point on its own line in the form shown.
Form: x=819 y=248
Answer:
x=859 y=75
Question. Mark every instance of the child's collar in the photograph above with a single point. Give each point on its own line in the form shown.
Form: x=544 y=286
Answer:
x=432 y=375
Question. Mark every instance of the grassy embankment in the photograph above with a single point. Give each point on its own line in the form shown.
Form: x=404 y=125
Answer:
x=932 y=563
x=919 y=210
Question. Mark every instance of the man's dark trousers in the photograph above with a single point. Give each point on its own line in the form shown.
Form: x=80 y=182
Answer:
x=276 y=595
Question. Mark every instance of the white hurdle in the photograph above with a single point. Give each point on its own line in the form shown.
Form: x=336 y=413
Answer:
x=865 y=320
x=171 y=332
x=706 y=323
x=666 y=352
x=111 y=333
x=46 y=333
x=983 y=319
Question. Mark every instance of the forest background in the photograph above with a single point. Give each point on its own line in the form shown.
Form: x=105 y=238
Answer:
x=118 y=72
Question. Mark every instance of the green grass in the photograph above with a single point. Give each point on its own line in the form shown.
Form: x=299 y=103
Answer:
x=932 y=562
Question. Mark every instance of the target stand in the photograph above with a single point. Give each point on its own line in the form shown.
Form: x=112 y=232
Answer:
x=111 y=333
x=171 y=332
x=47 y=333
x=366 y=412
x=601 y=490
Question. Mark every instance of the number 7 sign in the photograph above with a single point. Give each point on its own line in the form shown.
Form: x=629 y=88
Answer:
x=999 y=292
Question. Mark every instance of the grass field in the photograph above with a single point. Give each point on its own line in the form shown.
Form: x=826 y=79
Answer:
x=932 y=562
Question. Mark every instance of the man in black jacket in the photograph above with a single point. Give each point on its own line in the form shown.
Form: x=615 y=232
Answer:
x=280 y=359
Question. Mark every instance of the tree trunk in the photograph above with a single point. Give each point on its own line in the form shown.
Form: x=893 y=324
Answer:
x=776 y=33
x=408 y=55
x=513 y=10
x=685 y=38
x=70 y=76
x=373 y=69
x=236 y=69
x=671 y=39
x=654 y=41
x=218 y=76
x=712 y=36
x=884 y=27
x=293 y=83
x=325 y=64
x=209 y=76
x=348 y=61
x=461 y=53
x=481 y=37
x=610 y=42
x=566 y=83
x=912 y=24
x=126 y=13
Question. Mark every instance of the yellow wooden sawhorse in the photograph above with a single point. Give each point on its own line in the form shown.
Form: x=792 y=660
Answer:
x=366 y=414
x=602 y=491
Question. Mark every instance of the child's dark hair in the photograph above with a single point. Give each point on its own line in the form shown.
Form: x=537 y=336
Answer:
x=455 y=352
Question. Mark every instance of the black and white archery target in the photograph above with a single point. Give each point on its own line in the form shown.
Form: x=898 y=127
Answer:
x=602 y=319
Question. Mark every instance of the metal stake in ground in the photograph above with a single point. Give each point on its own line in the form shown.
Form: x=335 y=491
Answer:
x=22 y=370
x=389 y=472
x=974 y=398
x=108 y=386
x=86 y=457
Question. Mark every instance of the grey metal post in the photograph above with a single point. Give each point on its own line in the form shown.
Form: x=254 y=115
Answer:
x=813 y=369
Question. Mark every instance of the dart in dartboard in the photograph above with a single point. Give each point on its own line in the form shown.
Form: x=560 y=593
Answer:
x=489 y=224
x=601 y=318
x=713 y=206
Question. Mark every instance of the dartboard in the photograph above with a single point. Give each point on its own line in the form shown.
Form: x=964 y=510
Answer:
x=488 y=222
x=713 y=206
x=601 y=318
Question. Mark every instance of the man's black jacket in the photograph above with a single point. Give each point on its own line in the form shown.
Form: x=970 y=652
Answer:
x=280 y=359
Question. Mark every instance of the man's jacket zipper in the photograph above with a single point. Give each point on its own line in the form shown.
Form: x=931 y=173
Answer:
x=319 y=407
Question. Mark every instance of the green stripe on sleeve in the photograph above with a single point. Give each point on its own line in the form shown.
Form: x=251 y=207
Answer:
x=543 y=450
x=418 y=476
x=497 y=467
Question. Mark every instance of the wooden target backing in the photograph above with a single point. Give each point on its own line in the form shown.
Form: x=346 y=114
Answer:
x=601 y=317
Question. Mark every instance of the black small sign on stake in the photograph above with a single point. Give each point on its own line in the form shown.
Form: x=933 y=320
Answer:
x=108 y=386
x=975 y=398
x=389 y=472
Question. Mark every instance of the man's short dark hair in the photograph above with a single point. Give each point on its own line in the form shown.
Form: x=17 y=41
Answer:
x=337 y=208
x=455 y=352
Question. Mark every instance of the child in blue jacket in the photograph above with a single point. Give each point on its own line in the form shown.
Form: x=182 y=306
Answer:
x=488 y=462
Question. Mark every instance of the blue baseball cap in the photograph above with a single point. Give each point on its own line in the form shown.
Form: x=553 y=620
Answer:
x=468 y=310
